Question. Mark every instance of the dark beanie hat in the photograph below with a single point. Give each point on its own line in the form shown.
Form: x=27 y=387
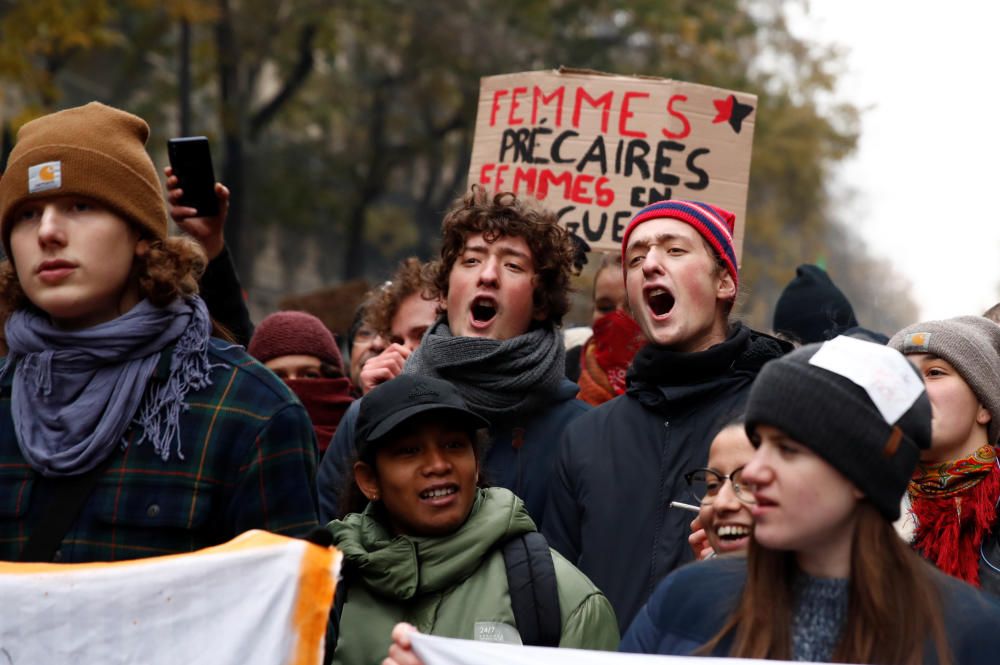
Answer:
x=812 y=308
x=294 y=333
x=835 y=417
x=95 y=151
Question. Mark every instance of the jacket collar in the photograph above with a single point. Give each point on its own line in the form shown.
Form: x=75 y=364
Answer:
x=403 y=567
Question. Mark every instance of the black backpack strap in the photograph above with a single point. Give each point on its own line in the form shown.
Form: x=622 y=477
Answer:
x=66 y=498
x=534 y=597
x=336 y=612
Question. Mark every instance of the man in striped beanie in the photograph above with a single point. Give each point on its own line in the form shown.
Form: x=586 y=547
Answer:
x=622 y=464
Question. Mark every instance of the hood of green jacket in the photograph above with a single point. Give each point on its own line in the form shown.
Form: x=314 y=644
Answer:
x=403 y=566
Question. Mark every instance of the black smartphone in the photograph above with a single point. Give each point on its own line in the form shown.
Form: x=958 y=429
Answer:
x=191 y=160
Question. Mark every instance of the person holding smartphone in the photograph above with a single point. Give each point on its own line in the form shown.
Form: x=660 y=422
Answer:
x=114 y=380
x=220 y=285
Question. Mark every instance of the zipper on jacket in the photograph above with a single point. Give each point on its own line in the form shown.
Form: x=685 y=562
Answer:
x=517 y=442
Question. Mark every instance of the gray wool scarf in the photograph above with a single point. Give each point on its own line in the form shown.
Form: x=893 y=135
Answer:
x=500 y=380
x=75 y=392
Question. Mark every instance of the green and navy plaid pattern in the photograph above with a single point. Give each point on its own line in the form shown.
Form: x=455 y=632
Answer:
x=249 y=463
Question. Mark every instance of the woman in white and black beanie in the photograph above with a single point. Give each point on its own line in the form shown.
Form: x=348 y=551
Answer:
x=838 y=428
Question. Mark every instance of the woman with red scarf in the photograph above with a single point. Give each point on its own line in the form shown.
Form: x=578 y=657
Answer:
x=303 y=353
x=954 y=492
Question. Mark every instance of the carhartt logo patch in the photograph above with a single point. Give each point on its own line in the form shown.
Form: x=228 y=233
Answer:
x=43 y=177
x=919 y=342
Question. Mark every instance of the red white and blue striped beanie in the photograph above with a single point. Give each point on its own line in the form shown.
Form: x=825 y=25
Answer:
x=713 y=223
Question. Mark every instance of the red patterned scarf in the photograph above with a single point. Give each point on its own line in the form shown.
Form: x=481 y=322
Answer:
x=955 y=507
x=606 y=356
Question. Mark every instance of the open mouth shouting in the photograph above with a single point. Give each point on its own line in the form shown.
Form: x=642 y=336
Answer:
x=660 y=301
x=483 y=312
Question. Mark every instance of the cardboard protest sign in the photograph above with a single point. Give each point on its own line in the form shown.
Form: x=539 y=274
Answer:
x=259 y=599
x=595 y=148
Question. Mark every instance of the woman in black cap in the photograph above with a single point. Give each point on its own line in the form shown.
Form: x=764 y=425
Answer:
x=427 y=543
x=838 y=429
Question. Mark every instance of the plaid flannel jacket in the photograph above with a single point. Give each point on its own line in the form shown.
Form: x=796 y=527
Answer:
x=249 y=463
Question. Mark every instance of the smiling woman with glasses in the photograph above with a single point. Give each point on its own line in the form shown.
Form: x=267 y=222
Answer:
x=705 y=484
x=724 y=521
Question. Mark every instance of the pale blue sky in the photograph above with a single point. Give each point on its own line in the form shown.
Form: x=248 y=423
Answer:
x=925 y=172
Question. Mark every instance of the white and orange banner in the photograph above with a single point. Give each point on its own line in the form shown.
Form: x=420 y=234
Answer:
x=447 y=651
x=258 y=599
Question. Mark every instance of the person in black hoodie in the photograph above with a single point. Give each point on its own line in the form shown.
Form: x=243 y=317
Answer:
x=812 y=308
x=621 y=464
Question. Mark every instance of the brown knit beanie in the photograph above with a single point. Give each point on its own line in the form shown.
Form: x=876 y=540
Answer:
x=292 y=334
x=970 y=344
x=95 y=151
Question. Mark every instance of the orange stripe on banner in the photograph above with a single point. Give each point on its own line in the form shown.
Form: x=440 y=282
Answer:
x=317 y=584
x=255 y=539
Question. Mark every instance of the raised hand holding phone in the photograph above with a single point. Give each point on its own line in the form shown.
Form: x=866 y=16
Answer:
x=191 y=160
x=198 y=204
x=208 y=231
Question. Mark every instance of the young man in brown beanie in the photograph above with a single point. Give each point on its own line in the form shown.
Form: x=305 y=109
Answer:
x=954 y=492
x=126 y=429
x=621 y=465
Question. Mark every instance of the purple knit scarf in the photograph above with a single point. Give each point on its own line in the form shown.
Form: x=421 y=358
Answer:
x=75 y=393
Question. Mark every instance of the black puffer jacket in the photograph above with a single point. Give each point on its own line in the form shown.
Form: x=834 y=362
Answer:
x=621 y=464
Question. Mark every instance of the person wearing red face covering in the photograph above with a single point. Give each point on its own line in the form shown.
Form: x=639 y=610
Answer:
x=302 y=352
x=606 y=356
x=598 y=365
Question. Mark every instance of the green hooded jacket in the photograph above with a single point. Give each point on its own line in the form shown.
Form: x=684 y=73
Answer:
x=452 y=586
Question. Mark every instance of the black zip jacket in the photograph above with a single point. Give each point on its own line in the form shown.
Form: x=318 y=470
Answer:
x=621 y=464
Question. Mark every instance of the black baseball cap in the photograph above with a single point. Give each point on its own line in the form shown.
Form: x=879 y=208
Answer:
x=391 y=404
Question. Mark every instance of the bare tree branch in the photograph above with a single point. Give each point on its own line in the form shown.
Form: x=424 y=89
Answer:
x=297 y=77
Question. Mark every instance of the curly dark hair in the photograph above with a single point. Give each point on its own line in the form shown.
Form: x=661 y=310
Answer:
x=410 y=277
x=504 y=214
x=170 y=268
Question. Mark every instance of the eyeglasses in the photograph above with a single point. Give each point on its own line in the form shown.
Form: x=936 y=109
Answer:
x=706 y=483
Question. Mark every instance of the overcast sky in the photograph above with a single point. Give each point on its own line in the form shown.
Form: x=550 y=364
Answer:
x=926 y=170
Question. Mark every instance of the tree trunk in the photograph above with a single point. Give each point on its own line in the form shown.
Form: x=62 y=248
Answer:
x=184 y=80
x=231 y=107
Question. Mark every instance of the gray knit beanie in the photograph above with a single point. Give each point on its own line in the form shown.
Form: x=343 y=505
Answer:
x=837 y=419
x=970 y=344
